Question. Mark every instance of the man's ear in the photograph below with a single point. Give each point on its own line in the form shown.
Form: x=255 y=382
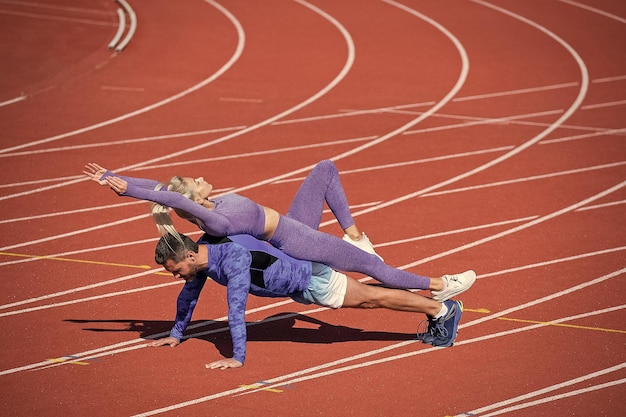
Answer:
x=191 y=256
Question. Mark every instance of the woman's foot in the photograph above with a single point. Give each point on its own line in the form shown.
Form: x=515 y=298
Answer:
x=363 y=243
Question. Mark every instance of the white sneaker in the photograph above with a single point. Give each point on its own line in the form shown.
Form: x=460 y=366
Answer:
x=364 y=244
x=455 y=285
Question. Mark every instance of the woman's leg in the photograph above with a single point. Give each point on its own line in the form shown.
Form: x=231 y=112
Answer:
x=302 y=242
x=324 y=185
x=321 y=185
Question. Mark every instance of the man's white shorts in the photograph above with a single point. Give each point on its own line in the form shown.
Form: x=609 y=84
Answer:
x=327 y=287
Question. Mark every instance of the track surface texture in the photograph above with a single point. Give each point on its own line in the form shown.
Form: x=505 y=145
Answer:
x=485 y=135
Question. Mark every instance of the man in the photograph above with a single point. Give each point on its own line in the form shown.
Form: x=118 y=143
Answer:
x=246 y=265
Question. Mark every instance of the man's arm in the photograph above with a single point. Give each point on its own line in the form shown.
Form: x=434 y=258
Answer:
x=185 y=304
x=235 y=266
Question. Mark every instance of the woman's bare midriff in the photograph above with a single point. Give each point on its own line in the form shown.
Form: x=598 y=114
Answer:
x=271 y=222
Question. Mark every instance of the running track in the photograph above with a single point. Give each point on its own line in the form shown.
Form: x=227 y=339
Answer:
x=469 y=134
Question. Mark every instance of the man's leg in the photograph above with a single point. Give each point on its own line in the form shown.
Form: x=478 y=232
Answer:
x=359 y=295
x=443 y=318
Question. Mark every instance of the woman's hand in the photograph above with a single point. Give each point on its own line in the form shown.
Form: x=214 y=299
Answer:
x=117 y=184
x=94 y=172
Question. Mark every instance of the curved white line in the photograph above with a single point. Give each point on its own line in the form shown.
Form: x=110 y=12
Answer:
x=120 y=28
x=455 y=89
x=594 y=10
x=342 y=74
x=237 y=53
x=575 y=105
x=131 y=29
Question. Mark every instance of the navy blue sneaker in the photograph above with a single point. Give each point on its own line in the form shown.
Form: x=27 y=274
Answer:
x=444 y=329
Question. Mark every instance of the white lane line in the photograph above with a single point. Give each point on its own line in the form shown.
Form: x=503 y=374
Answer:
x=338 y=78
x=603 y=105
x=610 y=79
x=237 y=53
x=131 y=28
x=114 y=281
x=454 y=232
x=121 y=26
x=513 y=119
x=594 y=10
x=575 y=105
x=32 y=258
x=274 y=151
x=477 y=121
x=519 y=91
x=552 y=262
x=123 y=346
x=408 y=163
x=70 y=212
x=155 y=271
x=526 y=179
x=507 y=232
x=603 y=205
x=541 y=264
x=92 y=298
x=609 y=132
x=543 y=391
x=124 y=141
x=57 y=18
x=74 y=233
x=57 y=7
x=78 y=289
x=287 y=380
x=524 y=226
x=510 y=120
x=596 y=132
x=459 y=83
x=559 y=397
x=11 y=101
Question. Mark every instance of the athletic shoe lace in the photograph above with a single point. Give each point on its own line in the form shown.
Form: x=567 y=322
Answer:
x=423 y=329
x=440 y=331
x=454 y=278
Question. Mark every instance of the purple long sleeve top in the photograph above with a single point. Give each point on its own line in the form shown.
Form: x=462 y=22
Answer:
x=230 y=264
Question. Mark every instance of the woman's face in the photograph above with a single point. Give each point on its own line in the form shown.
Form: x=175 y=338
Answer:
x=200 y=187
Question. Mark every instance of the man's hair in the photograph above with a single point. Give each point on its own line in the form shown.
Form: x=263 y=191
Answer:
x=173 y=247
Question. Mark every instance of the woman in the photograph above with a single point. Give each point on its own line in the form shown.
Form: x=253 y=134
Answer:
x=295 y=234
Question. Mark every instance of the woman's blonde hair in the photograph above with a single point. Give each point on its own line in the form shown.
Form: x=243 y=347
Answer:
x=161 y=213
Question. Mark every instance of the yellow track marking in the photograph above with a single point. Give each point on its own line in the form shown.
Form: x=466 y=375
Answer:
x=256 y=386
x=547 y=323
x=573 y=326
x=84 y=261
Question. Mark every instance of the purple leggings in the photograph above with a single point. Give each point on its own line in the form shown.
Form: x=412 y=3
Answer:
x=297 y=233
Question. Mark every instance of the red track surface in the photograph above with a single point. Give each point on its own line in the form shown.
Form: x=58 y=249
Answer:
x=469 y=134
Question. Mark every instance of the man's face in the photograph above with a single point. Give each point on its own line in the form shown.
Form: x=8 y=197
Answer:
x=186 y=269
